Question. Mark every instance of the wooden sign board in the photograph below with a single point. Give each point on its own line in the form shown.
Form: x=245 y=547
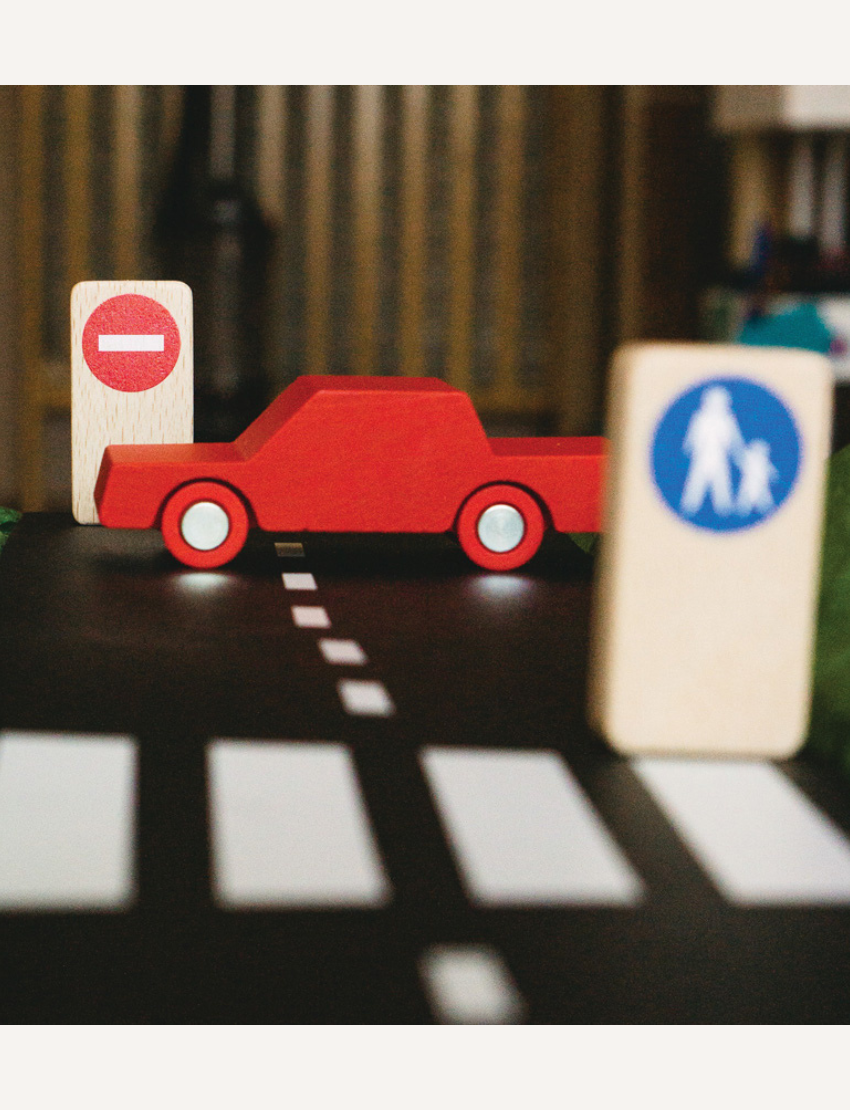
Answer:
x=131 y=373
x=707 y=581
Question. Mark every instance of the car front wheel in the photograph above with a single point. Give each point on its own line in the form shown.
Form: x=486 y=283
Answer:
x=204 y=524
x=500 y=527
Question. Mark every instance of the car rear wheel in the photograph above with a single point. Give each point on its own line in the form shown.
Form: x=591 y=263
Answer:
x=205 y=524
x=500 y=527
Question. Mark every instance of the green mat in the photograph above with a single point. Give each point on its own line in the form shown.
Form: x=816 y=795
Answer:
x=585 y=540
x=8 y=519
x=829 y=728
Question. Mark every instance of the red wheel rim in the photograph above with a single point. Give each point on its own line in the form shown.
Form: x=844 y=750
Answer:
x=470 y=514
x=220 y=495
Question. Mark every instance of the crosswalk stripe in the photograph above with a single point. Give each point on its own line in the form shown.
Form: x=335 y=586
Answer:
x=523 y=831
x=757 y=835
x=290 y=828
x=67 y=821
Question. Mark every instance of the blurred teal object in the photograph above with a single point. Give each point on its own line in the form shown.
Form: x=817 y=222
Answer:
x=8 y=519
x=801 y=327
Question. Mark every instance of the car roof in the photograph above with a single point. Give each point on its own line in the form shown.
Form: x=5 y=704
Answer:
x=303 y=389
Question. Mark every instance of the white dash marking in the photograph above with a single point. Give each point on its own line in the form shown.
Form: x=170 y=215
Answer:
x=343 y=652
x=756 y=834
x=131 y=342
x=67 y=818
x=470 y=984
x=310 y=616
x=289 y=550
x=290 y=828
x=365 y=698
x=292 y=581
x=523 y=831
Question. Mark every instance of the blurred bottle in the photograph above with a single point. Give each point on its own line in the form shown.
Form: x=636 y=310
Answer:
x=210 y=233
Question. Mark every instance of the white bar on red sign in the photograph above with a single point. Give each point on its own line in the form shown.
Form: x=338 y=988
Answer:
x=523 y=831
x=67 y=819
x=470 y=984
x=756 y=834
x=131 y=342
x=290 y=828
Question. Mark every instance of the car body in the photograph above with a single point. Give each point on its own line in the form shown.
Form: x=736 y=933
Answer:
x=339 y=453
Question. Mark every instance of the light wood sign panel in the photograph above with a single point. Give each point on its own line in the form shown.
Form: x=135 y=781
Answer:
x=131 y=373
x=707 y=581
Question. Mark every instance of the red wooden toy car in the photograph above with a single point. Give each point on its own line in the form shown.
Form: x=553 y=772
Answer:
x=358 y=454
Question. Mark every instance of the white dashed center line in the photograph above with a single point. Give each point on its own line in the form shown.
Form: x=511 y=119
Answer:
x=359 y=697
x=470 y=985
x=343 y=652
x=365 y=698
x=310 y=616
x=293 y=581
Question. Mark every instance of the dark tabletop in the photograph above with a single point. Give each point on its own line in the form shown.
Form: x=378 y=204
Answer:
x=102 y=632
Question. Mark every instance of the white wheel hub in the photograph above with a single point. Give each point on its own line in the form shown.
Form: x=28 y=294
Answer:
x=501 y=528
x=205 y=526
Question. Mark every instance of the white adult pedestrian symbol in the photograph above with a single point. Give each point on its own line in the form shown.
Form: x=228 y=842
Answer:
x=725 y=454
x=713 y=438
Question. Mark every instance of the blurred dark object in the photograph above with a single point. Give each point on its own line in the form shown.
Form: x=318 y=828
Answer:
x=210 y=233
x=841 y=417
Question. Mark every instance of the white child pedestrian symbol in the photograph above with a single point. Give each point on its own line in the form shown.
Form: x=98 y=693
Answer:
x=757 y=472
x=714 y=443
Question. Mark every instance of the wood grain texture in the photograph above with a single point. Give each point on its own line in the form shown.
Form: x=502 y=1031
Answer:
x=272 y=123
x=576 y=184
x=100 y=415
x=31 y=253
x=414 y=208
x=78 y=185
x=318 y=210
x=366 y=182
x=631 y=241
x=702 y=640
x=507 y=262
x=126 y=186
x=463 y=141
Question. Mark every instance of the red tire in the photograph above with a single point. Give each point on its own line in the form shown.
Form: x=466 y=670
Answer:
x=205 y=524
x=500 y=527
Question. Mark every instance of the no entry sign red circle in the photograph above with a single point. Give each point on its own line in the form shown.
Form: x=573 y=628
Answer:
x=131 y=343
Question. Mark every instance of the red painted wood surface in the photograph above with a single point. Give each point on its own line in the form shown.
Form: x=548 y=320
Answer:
x=359 y=454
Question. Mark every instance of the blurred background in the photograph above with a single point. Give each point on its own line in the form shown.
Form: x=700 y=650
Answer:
x=505 y=238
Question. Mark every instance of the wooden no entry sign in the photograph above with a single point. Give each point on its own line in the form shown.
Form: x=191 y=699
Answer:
x=131 y=343
x=131 y=373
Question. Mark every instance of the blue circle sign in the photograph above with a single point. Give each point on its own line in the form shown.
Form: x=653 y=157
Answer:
x=725 y=454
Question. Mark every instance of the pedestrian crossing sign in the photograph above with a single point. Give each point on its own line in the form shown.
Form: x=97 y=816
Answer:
x=726 y=454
